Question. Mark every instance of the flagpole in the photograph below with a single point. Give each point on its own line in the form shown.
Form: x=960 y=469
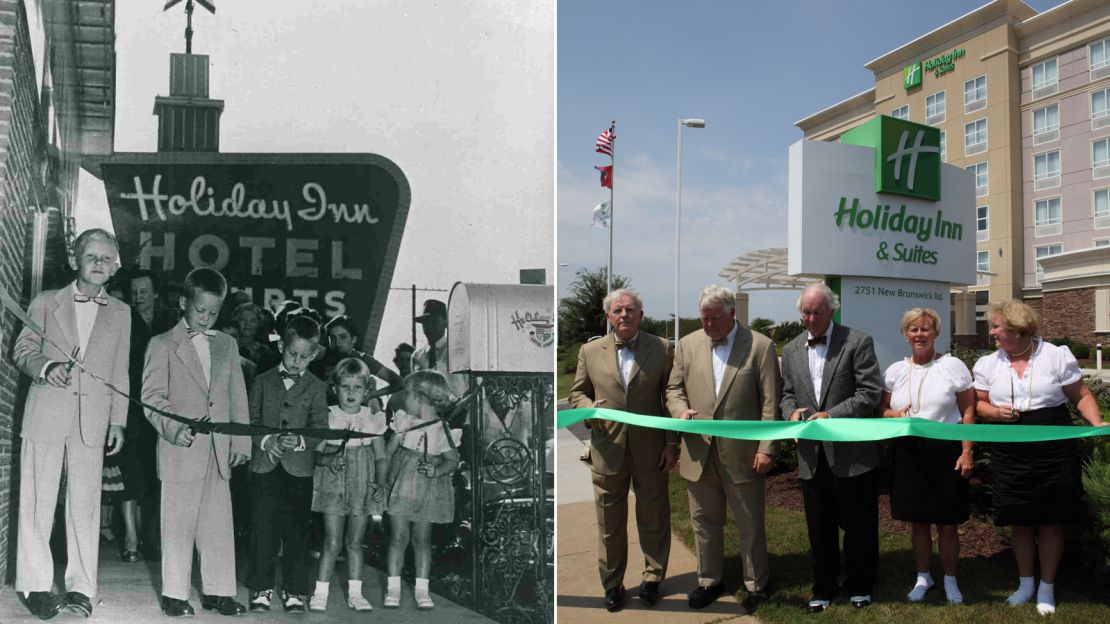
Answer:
x=612 y=176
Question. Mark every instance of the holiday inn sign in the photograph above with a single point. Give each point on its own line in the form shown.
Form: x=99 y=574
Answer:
x=872 y=205
x=911 y=74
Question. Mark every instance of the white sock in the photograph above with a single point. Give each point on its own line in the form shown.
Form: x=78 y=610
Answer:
x=1024 y=591
x=322 y=588
x=393 y=583
x=421 y=587
x=354 y=586
x=952 y=590
x=1046 y=598
x=923 y=584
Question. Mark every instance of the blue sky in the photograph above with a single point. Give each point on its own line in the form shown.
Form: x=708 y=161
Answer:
x=751 y=70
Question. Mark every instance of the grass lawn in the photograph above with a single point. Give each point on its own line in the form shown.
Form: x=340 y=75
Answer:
x=985 y=582
x=563 y=382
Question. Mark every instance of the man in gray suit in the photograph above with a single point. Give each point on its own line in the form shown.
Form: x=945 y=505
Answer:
x=831 y=372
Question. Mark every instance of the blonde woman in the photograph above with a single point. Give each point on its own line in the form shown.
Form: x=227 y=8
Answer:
x=1037 y=486
x=930 y=476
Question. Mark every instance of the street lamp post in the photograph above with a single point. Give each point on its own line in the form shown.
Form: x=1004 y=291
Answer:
x=690 y=123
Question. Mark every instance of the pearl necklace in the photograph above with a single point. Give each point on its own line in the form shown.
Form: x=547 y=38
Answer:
x=921 y=384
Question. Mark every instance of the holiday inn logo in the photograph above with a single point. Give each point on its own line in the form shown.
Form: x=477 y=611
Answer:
x=907 y=156
x=911 y=75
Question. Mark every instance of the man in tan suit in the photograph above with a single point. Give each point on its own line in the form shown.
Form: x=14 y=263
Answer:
x=725 y=371
x=628 y=370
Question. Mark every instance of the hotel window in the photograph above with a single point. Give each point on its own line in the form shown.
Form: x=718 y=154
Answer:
x=934 y=108
x=981 y=223
x=975 y=137
x=1044 y=252
x=943 y=148
x=1046 y=214
x=902 y=112
x=1044 y=79
x=1100 y=109
x=1046 y=170
x=1102 y=242
x=1102 y=208
x=982 y=267
x=1046 y=124
x=1100 y=59
x=1100 y=158
x=980 y=171
x=975 y=94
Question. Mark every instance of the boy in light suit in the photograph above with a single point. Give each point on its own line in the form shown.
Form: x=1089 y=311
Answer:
x=67 y=418
x=194 y=371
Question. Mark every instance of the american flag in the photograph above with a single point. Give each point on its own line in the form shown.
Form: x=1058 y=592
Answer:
x=605 y=142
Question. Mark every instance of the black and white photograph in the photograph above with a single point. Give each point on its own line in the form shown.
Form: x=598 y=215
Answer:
x=277 y=326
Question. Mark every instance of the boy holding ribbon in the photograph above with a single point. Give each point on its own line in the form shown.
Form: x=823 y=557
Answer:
x=68 y=416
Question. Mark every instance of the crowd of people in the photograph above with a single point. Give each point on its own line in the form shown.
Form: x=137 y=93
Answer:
x=215 y=357
x=726 y=371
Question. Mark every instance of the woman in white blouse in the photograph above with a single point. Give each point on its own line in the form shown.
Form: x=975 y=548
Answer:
x=930 y=476
x=1037 y=486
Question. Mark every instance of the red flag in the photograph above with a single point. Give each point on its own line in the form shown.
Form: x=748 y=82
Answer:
x=606 y=175
x=605 y=142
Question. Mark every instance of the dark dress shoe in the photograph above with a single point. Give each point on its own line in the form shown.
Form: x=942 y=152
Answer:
x=44 y=605
x=860 y=602
x=649 y=592
x=130 y=556
x=817 y=605
x=755 y=598
x=224 y=605
x=702 y=597
x=176 y=608
x=614 y=599
x=78 y=603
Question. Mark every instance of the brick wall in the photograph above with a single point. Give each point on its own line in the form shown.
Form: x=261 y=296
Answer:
x=21 y=153
x=1071 y=314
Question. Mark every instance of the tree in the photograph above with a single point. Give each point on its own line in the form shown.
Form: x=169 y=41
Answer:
x=761 y=325
x=787 y=331
x=580 y=314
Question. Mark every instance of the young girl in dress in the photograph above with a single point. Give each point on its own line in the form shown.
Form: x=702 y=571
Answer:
x=349 y=483
x=424 y=456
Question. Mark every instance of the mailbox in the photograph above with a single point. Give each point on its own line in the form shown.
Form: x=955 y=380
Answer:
x=501 y=328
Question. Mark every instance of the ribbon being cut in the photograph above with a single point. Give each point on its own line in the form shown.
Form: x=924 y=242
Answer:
x=203 y=425
x=838 y=429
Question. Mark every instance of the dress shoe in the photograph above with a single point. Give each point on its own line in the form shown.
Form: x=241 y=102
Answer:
x=860 y=602
x=174 y=607
x=649 y=592
x=614 y=599
x=78 y=603
x=817 y=605
x=44 y=605
x=130 y=556
x=293 y=603
x=224 y=605
x=702 y=597
x=754 y=599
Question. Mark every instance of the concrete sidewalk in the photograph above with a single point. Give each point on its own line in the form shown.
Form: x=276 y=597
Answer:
x=129 y=593
x=580 y=598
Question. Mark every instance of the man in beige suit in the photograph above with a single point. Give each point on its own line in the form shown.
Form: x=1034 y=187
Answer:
x=725 y=371
x=628 y=370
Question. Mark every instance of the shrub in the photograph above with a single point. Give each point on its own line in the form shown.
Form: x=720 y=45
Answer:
x=1096 y=483
x=1080 y=350
x=568 y=358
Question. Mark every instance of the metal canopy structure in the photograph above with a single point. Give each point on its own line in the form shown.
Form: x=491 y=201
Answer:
x=83 y=70
x=763 y=269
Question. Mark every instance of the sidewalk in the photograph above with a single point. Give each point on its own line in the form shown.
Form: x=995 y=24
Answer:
x=129 y=593
x=580 y=595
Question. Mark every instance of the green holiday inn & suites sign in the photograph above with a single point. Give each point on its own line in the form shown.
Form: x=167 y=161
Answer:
x=911 y=74
x=907 y=155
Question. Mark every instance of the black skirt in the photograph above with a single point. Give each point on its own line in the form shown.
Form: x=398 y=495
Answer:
x=1038 y=483
x=927 y=487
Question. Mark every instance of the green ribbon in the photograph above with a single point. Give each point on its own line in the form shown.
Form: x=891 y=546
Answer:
x=839 y=429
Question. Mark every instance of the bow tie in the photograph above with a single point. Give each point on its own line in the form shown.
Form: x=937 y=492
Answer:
x=723 y=342
x=622 y=344
x=193 y=333
x=97 y=299
x=287 y=375
x=812 y=342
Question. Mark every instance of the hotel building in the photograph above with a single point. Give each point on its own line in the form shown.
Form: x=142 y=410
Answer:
x=1022 y=100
